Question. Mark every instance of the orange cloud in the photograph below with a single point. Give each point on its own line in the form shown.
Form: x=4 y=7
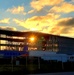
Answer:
x=39 y=4
x=8 y=28
x=62 y=31
x=49 y=24
x=40 y=23
x=56 y=30
x=64 y=27
x=64 y=7
x=66 y=22
x=5 y=20
x=17 y=10
x=31 y=11
x=48 y=17
x=70 y=33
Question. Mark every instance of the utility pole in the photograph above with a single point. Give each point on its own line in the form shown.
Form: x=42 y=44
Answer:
x=26 y=61
x=38 y=63
x=12 y=63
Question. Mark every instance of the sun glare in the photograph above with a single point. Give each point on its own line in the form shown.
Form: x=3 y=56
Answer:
x=32 y=39
x=33 y=29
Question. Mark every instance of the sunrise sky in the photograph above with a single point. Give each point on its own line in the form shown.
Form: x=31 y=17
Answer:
x=49 y=16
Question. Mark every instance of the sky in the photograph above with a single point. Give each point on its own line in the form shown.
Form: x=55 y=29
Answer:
x=49 y=16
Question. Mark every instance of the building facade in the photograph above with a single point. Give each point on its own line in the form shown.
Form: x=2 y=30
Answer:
x=15 y=43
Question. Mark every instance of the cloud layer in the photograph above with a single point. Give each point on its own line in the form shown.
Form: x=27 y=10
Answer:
x=17 y=10
x=39 y=4
x=48 y=16
x=8 y=28
x=5 y=20
x=63 y=8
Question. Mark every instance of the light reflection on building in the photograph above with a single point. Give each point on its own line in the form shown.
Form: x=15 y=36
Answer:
x=41 y=41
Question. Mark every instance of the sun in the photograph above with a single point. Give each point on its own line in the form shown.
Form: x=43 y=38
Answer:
x=32 y=39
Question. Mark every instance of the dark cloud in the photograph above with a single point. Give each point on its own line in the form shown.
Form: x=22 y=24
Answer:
x=68 y=22
x=65 y=30
x=64 y=26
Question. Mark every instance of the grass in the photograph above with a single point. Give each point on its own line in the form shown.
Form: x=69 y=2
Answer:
x=9 y=68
